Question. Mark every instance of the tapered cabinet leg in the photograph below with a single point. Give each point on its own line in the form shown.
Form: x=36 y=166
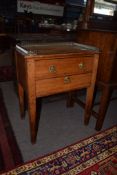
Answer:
x=32 y=118
x=31 y=93
x=21 y=100
x=104 y=103
x=90 y=92
x=88 y=107
x=94 y=95
x=70 y=98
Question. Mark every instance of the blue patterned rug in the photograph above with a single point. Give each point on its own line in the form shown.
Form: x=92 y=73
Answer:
x=96 y=155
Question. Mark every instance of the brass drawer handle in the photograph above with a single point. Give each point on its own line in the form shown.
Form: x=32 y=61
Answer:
x=52 y=69
x=81 y=65
x=67 y=80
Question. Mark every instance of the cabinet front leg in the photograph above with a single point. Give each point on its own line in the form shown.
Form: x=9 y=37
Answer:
x=70 y=98
x=32 y=120
x=88 y=106
x=31 y=93
x=21 y=100
x=90 y=92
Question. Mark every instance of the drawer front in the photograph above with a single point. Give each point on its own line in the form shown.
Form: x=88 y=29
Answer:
x=62 y=67
x=61 y=84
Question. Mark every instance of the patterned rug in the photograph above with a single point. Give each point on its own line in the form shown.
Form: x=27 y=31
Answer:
x=10 y=155
x=96 y=155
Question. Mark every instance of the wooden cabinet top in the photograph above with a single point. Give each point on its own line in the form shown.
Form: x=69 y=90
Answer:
x=58 y=48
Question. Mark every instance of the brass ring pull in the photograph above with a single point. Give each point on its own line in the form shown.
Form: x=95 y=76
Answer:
x=81 y=65
x=67 y=80
x=52 y=69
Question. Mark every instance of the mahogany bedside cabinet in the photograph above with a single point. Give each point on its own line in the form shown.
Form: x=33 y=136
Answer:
x=52 y=68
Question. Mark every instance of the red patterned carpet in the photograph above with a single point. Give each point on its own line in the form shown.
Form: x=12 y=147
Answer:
x=10 y=155
x=96 y=155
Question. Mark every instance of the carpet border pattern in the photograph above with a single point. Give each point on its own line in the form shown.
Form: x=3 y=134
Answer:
x=75 y=158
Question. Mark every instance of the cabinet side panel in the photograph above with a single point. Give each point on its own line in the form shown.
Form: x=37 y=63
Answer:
x=20 y=69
